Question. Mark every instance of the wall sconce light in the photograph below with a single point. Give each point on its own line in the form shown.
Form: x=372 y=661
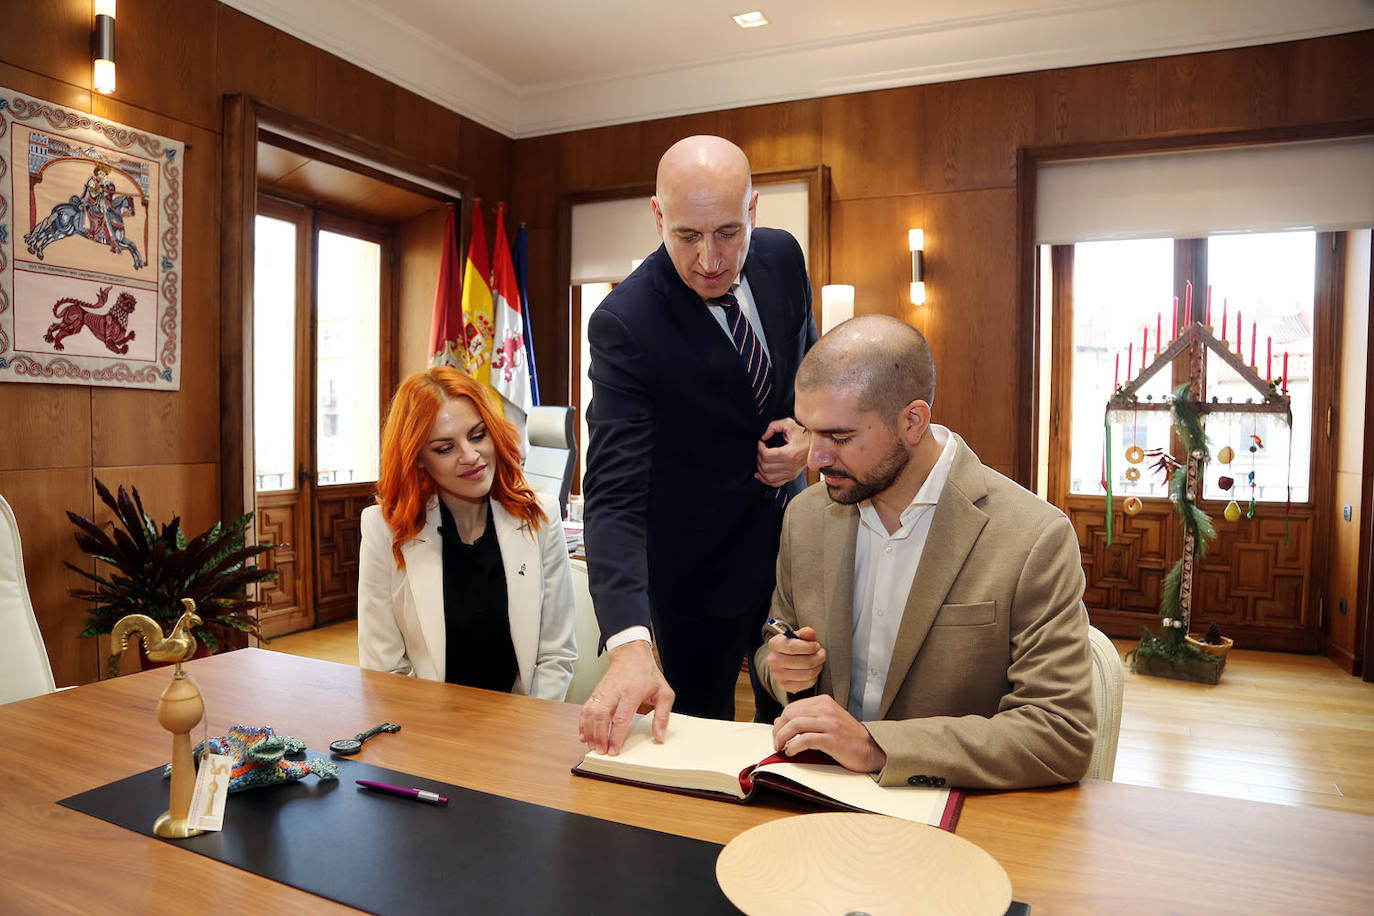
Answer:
x=916 y=241
x=102 y=48
x=837 y=305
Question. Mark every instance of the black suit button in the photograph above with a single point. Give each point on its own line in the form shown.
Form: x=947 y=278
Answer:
x=919 y=780
x=940 y=782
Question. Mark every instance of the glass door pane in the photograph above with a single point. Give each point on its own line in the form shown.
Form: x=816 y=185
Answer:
x=347 y=409
x=1122 y=301
x=274 y=354
x=1267 y=281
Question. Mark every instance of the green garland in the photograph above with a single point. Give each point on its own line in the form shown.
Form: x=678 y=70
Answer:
x=1188 y=426
x=1172 y=647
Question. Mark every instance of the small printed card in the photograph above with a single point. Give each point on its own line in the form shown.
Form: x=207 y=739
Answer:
x=211 y=789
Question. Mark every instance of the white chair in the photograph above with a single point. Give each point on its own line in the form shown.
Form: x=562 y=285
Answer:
x=24 y=668
x=1109 y=680
x=553 y=451
x=589 y=667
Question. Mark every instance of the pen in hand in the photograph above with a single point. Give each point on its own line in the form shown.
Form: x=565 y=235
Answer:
x=780 y=628
x=417 y=794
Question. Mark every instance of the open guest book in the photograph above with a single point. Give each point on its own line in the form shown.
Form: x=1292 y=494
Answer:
x=731 y=760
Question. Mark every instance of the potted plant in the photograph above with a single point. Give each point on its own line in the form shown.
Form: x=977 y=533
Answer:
x=151 y=568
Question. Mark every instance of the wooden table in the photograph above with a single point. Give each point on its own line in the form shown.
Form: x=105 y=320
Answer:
x=1099 y=847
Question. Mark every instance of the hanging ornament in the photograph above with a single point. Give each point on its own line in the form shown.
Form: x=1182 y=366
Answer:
x=1256 y=443
x=1226 y=483
x=1133 y=505
x=1232 y=512
x=1226 y=454
x=1135 y=454
x=1133 y=474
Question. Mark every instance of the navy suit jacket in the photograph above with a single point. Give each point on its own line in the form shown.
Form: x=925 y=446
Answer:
x=674 y=516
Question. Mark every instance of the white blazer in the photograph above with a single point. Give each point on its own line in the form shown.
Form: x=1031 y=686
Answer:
x=401 y=612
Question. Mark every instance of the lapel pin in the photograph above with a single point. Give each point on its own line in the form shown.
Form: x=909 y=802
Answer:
x=522 y=570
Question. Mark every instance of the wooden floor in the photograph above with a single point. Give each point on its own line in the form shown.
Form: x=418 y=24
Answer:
x=1289 y=729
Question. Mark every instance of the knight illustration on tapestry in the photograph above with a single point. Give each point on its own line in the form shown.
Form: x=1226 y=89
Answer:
x=96 y=213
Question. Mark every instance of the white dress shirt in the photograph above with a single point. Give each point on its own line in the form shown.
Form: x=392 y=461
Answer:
x=884 y=568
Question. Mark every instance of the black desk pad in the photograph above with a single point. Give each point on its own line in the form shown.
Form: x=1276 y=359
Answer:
x=479 y=854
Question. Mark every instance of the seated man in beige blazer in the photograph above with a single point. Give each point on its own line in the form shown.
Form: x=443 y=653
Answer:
x=935 y=606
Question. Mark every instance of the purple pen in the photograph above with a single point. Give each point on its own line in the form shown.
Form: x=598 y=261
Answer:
x=418 y=794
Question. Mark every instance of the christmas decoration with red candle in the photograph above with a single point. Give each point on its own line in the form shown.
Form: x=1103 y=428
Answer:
x=1223 y=321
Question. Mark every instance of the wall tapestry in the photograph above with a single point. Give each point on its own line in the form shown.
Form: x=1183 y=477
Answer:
x=90 y=249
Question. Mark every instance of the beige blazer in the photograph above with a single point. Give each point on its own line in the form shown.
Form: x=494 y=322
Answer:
x=401 y=612
x=990 y=683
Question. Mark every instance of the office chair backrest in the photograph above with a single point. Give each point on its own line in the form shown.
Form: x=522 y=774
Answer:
x=1109 y=681
x=553 y=451
x=589 y=667
x=24 y=668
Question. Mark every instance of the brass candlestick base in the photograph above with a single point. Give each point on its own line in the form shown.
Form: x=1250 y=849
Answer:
x=179 y=709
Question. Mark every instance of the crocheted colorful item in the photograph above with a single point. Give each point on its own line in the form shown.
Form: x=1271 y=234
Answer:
x=259 y=756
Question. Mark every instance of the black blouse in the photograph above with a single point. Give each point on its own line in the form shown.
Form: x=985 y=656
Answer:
x=476 y=619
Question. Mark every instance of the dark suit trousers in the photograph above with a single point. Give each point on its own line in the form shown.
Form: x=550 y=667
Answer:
x=704 y=680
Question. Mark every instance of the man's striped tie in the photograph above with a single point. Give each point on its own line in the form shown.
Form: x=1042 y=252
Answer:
x=750 y=349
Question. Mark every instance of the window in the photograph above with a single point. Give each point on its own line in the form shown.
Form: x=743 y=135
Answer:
x=1123 y=318
x=1267 y=283
x=348 y=309
x=1122 y=293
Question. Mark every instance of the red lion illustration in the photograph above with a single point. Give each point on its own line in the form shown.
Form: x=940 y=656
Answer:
x=111 y=328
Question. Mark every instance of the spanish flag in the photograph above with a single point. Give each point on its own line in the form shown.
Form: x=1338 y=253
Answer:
x=479 y=327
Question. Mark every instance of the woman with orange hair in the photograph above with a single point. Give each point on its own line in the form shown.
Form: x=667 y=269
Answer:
x=463 y=575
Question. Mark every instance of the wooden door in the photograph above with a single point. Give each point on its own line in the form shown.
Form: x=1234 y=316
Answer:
x=309 y=504
x=281 y=370
x=1259 y=580
x=352 y=294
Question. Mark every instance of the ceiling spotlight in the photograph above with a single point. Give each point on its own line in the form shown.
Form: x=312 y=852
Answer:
x=750 y=20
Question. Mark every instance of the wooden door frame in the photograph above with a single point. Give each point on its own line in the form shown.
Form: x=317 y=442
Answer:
x=244 y=118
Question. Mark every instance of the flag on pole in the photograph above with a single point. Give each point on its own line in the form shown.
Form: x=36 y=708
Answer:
x=446 y=330
x=521 y=258
x=478 y=324
x=510 y=361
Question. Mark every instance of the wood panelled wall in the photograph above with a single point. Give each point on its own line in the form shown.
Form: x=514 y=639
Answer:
x=176 y=60
x=940 y=156
x=944 y=157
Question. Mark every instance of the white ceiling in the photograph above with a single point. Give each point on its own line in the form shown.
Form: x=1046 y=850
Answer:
x=530 y=67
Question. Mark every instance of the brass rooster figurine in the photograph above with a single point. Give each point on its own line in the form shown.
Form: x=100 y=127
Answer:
x=178 y=646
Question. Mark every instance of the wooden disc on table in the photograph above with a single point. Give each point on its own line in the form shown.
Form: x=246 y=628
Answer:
x=840 y=863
